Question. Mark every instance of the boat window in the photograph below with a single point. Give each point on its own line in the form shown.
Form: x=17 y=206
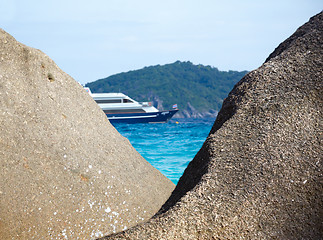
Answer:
x=127 y=100
x=124 y=111
x=108 y=101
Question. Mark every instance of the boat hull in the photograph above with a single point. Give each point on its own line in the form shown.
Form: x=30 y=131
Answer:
x=153 y=117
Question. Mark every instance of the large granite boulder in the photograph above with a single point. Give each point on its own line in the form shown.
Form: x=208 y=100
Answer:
x=259 y=173
x=65 y=171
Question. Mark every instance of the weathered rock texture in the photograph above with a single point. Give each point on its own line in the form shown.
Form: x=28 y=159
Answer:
x=259 y=173
x=65 y=171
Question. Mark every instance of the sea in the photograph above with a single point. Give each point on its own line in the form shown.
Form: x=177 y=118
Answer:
x=169 y=147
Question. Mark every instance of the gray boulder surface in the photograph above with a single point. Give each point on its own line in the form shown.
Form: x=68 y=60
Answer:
x=259 y=173
x=66 y=173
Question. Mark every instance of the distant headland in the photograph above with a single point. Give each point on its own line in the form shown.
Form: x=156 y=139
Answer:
x=198 y=90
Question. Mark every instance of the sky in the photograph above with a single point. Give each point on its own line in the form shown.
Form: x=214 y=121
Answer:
x=93 y=39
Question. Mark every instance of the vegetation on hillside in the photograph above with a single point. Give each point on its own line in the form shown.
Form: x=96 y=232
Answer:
x=184 y=83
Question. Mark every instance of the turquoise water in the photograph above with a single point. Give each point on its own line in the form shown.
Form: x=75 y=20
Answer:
x=169 y=147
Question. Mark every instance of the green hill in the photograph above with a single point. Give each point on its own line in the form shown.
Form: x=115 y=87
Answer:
x=193 y=87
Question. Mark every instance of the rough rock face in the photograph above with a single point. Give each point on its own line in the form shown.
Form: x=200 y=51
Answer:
x=259 y=173
x=65 y=171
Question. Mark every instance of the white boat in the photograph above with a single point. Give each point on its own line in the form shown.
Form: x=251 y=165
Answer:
x=120 y=108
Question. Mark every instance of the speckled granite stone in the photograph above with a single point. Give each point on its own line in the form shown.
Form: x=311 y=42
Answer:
x=65 y=171
x=259 y=173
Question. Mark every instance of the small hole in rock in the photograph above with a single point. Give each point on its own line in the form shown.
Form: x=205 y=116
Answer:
x=50 y=77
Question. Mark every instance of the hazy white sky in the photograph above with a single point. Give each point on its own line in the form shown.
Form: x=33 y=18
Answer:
x=97 y=38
